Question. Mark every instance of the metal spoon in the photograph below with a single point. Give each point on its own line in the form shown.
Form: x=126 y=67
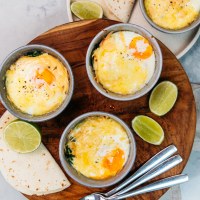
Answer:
x=158 y=185
x=160 y=169
x=150 y=164
x=155 y=160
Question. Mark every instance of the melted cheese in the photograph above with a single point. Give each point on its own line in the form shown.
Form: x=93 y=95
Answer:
x=173 y=14
x=100 y=146
x=37 y=85
x=124 y=62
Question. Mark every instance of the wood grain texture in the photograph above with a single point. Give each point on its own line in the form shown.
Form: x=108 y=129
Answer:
x=72 y=41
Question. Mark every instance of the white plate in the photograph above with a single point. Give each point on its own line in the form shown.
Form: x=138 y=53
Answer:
x=179 y=44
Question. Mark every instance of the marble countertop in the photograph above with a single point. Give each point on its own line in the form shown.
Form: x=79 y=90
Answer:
x=23 y=20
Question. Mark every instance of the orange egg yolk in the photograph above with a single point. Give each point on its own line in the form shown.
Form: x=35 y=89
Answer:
x=46 y=75
x=141 y=54
x=114 y=161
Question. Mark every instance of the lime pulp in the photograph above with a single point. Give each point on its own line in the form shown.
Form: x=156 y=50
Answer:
x=22 y=136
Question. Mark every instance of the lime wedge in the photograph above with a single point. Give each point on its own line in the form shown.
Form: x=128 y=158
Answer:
x=22 y=136
x=163 y=98
x=87 y=10
x=148 y=129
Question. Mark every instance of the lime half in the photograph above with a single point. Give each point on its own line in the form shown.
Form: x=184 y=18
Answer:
x=87 y=10
x=148 y=129
x=22 y=136
x=163 y=98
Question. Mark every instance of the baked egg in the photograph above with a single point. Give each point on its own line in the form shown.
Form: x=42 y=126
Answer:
x=172 y=14
x=124 y=62
x=37 y=85
x=97 y=147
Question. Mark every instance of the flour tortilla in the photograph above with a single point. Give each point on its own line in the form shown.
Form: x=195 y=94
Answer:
x=119 y=10
x=34 y=173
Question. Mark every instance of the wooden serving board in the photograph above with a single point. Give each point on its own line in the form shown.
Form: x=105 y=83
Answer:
x=179 y=124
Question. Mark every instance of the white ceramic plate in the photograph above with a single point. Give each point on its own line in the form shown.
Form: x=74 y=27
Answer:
x=179 y=44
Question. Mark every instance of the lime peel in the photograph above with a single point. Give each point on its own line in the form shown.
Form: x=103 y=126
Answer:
x=148 y=129
x=87 y=10
x=163 y=98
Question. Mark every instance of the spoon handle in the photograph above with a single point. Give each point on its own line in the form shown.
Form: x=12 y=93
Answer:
x=158 y=185
x=150 y=164
x=161 y=168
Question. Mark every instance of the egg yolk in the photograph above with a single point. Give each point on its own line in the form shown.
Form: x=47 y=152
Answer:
x=143 y=49
x=46 y=75
x=114 y=161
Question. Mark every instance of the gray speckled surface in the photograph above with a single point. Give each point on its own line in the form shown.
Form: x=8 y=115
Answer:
x=23 y=20
x=191 y=63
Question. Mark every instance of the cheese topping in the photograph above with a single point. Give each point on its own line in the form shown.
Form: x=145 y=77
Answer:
x=99 y=147
x=37 y=85
x=124 y=62
x=173 y=14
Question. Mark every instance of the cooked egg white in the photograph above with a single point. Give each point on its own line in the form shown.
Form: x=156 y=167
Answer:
x=173 y=14
x=37 y=85
x=100 y=146
x=124 y=62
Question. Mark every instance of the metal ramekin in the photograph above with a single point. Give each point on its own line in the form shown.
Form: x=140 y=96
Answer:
x=124 y=27
x=10 y=59
x=183 y=30
x=91 y=182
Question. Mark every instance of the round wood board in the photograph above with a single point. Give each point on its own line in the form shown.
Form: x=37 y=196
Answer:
x=179 y=124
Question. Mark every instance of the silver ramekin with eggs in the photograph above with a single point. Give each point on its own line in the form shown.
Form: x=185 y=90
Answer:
x=172 y=16
x=36 y=83
x=97 y=149
x=124 y=62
